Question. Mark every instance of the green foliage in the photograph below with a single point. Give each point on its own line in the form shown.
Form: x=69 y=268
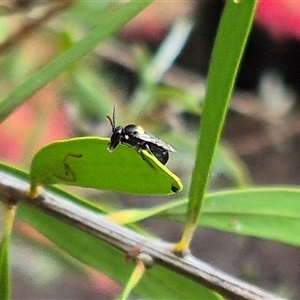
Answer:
x=86 y=162
x=221 y=78
x=260 y=212
x=4 y=268
x=269 y=213
x=106 y=27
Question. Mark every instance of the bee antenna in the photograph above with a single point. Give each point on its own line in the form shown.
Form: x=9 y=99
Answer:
x=112 y=120
x=111 y=123
x=114 y=114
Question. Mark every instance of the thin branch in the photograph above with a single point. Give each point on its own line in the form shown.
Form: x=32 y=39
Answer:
x=13 y=189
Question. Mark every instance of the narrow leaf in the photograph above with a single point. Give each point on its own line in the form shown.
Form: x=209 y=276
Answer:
x=10 y=211
x=134 y=279
x=231 y=38
x=4 y=268
x=269 y=213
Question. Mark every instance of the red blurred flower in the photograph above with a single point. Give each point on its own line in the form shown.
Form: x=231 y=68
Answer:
x=280 y=17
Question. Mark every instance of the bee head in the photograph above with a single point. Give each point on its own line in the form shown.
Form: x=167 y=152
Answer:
x=117 y=132
x=116 y=138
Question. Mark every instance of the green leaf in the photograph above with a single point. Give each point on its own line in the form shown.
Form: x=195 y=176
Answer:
x=86 y=162
x=4 y=268
x=107 y=25
x=269 y=213
x=230 y=42
x=5 y=289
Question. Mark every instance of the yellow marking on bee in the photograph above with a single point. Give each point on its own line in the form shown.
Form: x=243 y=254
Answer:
x=140 y=129
x=126 y=137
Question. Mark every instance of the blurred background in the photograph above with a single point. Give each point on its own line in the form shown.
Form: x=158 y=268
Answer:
x=155 y=70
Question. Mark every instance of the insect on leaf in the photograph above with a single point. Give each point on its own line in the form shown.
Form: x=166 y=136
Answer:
x=86 y=162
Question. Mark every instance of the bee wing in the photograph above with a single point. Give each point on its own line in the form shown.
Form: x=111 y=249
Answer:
x=145 y=136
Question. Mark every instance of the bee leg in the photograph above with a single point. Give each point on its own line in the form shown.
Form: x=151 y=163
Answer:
x=140 y=151
x=148 y=149
x=162 y=156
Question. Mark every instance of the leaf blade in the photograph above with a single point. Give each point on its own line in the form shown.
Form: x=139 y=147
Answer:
x=86 y=162
x=268 y=213
x=229 y=45
x=4 y=268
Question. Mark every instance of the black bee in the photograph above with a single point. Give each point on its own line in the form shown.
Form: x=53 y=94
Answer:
x=135 y=136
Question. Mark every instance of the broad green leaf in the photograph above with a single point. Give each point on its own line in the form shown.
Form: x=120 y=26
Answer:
x=86 y=162
x=4 y=268
x=230 y=42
